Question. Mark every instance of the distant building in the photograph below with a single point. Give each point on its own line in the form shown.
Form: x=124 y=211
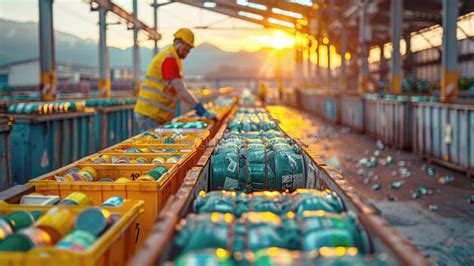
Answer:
x=27 y=73
x=124 y=73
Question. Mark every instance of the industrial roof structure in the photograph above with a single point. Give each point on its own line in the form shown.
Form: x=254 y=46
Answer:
x=351 y=26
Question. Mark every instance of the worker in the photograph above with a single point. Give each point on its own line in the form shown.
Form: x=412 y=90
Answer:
x=163 y=84
x=280 y=91
x=262 y=92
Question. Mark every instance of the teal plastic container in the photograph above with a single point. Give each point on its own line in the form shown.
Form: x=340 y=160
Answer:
x=44 y=143
x=5 y=155
x=114 y=121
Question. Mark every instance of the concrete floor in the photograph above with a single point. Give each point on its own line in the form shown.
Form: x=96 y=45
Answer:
x=446 y=235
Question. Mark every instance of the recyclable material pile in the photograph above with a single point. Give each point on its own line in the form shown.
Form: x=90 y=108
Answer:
x=154 y=152
x=105 y=158
x=186 y=125
x=66 y=106
x=280 y=203
x=176 y=136
x=312 y=224
x=258 y=210
x=91 y=174
x=254 y=156
x=44 y=108
x=59 y=226
x=105 y=102
x=411 y=84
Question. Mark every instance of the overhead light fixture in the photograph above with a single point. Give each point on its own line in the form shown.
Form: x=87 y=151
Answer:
x=303 y=22
x=251 y=5
x=302 y=2
x=281 y=22
x=287 y=13
x=250 y=15
x=209 y=4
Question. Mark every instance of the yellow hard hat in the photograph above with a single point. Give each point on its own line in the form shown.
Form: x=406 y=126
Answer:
x=186 y=35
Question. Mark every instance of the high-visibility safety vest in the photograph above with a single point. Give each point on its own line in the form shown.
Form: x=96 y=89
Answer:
x=157 y=98
x=262 y=91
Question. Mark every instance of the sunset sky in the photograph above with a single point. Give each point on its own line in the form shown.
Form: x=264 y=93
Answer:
x=75 y=17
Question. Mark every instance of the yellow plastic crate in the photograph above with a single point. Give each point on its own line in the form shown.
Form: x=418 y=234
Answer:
x=133 y=171
x=147 y=155
x=190 y=138
x=154 y=194
x=129 y=144
x=190 y=155
x=114 y=247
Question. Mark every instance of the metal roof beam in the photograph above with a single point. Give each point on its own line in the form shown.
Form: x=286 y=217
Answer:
x=119 y=11
x=235 y=14
x=231 y=4
x=293 y=7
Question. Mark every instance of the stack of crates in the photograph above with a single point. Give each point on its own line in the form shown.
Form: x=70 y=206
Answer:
x=48 y=135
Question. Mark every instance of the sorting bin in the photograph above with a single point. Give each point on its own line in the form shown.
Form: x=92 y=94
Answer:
x=289 y=98
x=43 y=143
x=307 y=101
x=389 y=119
x=113 y=124
x=330 y=107
x=352 y=112
x=154 y=194
x=443 y=133
x=5 y=149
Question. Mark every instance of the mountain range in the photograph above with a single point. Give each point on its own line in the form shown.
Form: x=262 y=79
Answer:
x=19 y=41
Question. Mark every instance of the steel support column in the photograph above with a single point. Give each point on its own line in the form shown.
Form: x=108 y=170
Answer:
x=47 y=57
x=449 y=59
x=136 y=52
x=363 y=49
x=296 y=48
x=382 y=64
x=328 y=70
x=396 y=28
x=329 y=74
x=314 y=31
x=343 y=78
x=318 y=63
x=309 y=67
x=408 y=63
x=104 y=64
x=318 y=50
x=298 y=59
x=155 y=22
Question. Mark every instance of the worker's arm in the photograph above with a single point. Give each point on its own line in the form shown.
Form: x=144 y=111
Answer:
x=183 y=92
x=189 y=98
x=170 y=71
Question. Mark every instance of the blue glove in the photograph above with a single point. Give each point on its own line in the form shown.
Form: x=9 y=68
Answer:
x=200 y=109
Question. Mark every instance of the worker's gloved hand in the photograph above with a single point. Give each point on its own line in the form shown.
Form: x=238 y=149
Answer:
x=201 y=111
x=210 y=115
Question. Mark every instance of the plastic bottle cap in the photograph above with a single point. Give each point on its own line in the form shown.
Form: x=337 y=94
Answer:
x=94 y=221
x=36 y=214
x=16 y=242
x=20 y=219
